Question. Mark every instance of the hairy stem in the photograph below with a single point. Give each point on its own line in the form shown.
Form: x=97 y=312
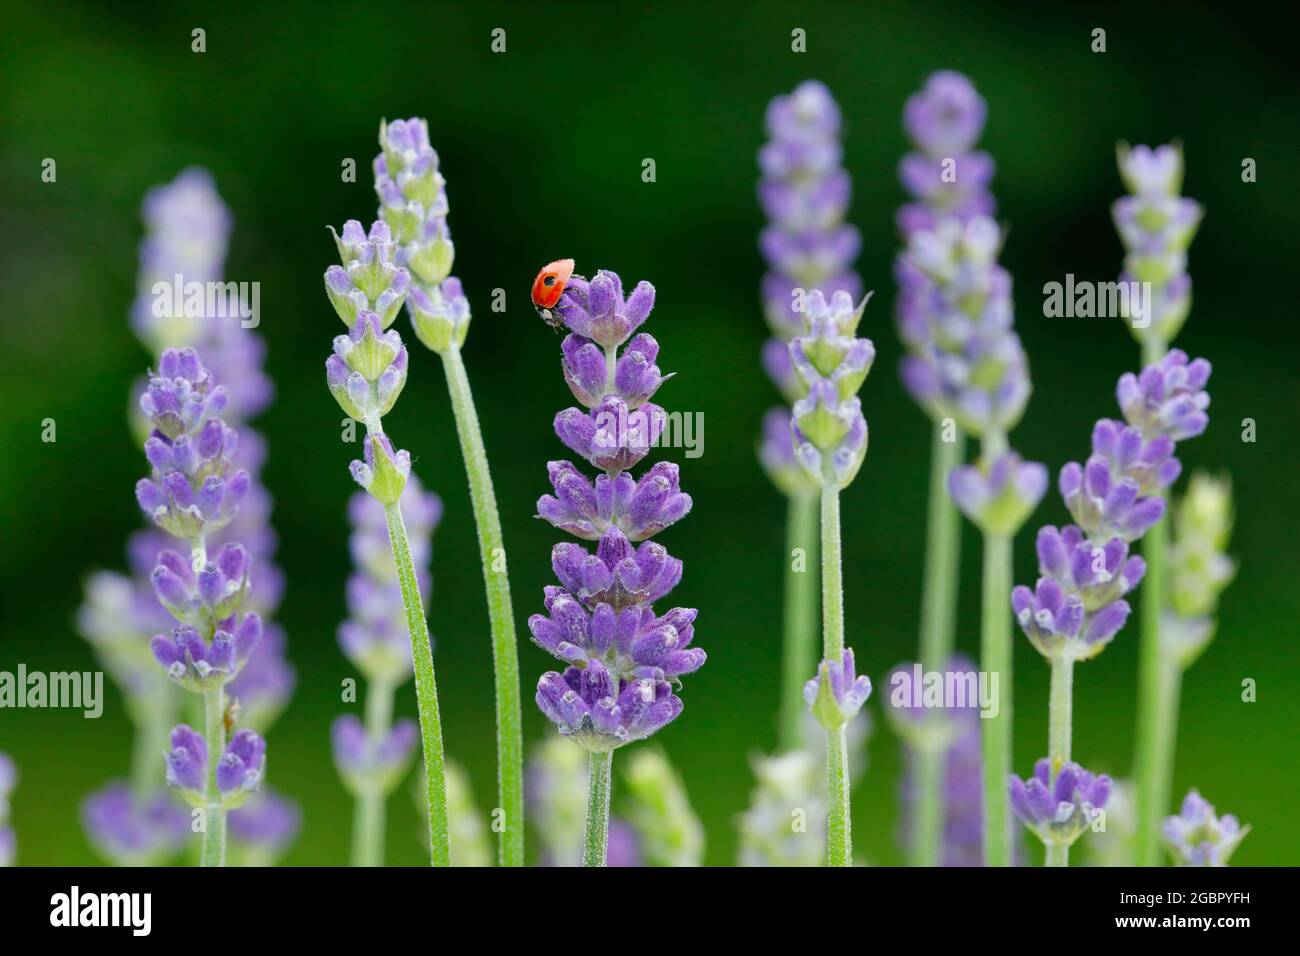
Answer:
x=505 y=659
x=938 y=626
x=1059 y=716
x=800 y=643
x=598 y=778
x=212 y=851
x=995 y=658
x=839 y=835
x=426 y=689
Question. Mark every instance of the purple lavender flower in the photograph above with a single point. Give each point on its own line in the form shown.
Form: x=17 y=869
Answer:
x=1058 y=625
x=1156 y=226
x=199 y=664
x=264 y=827
x=805 y=193
x=413 y=199
x=369 y=762
x=593 y=708
x=964 y=360
x=194 y=489
x=621 y=655
x=998 y=496
x=837 y=693
x=134 y=831
x=945 y=178
x=1077 y=606
x=238 y=772
x=1168 y=398
x=1197 y=836
x=1060 y=807
x=599 y=311
x=1097 y=574
x=187 y=763
x=639 y=508
x=368 y=280
x=367 y=371
x=830 y=432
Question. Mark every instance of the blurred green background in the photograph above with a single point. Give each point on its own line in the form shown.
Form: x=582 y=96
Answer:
x=542 y=149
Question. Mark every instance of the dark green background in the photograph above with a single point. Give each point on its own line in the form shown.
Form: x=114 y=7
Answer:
x=542 y=149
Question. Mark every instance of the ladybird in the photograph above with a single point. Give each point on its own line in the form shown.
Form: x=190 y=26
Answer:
x=548 y=287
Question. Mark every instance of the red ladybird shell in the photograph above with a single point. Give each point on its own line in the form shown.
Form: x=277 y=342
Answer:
x=550 y=282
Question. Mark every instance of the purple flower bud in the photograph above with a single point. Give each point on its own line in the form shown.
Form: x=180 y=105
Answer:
x=836 y=694
x=598 y=311
x=1104 y=506
x=1097 y=574
x=199 y=665
x=631 y=642
x=1058 y=625
x=187 y=763
x=1059 y=809
x=612 y=436
x=595 y=710
x=195 y=488
x=1168 y=398
x=241 y=767
x=208 y=598
x=947 y=116
x=998 y=496
x=1199 y=837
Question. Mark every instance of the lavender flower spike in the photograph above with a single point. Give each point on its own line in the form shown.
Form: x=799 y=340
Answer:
x=620 y=655
x=238 y=772
x=195 y=488
x=1156 y=225
x=1059 y=808
x=807 y=245
x=947 y=181
x=1197 y=836
x=413 y=202
x=830 y=436
x=366 y=374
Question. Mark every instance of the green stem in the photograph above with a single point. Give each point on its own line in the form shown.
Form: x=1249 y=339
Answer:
x=505 y=659
x=1060 y=706
x=938 y=617
x=839 y=833
x=800 y=645
x=1152 y=703
x=1059 y=711
x=942 y=554
x=426 y=689
x=213 y=847
x=368 y=822
x=598 y=777
x=995 y=658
